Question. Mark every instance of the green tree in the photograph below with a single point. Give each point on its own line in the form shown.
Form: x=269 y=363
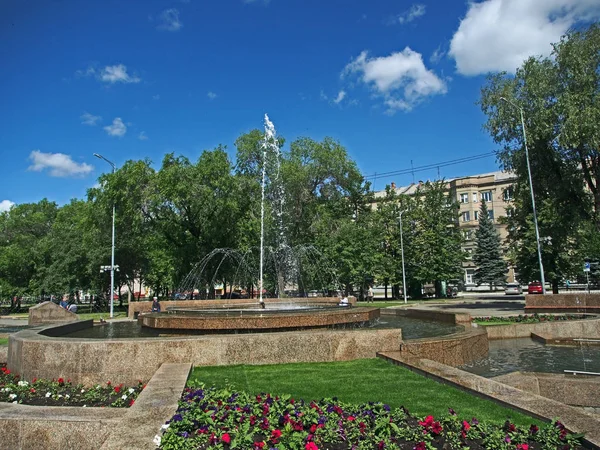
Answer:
x=435 y=252
x=559 y=100
x=491 y=267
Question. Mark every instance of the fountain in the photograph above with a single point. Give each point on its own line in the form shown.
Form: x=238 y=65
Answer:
x=301 y=269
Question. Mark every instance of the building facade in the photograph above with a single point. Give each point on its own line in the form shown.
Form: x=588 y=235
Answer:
x=496 y=188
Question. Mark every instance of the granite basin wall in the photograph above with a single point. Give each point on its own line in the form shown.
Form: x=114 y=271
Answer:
x=587 y=328
x=429 y=314
x=291 y=320
x=146 y=306
x=49 y=312
x=580 y=301
x=49 y=428
x=453 y=350
x=572 y=390
x=90 y=361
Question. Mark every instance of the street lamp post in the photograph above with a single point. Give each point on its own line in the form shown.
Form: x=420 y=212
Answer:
x=402 y=252
x=535 y=222
x=112 y=255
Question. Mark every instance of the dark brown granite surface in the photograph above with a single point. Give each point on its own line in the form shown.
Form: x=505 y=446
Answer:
x=571 y=302
x=429 y=314
x=266 y=321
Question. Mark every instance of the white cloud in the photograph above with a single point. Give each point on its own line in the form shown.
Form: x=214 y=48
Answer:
x=414 y=12
x=117 y=74
x=498 y=35
x=142 y=136
x=59 y=164
x=117 y=128
x=401 y=78
x=5 y=205
x=90 y=119
x=169 y=20
x=211 y=95
x=341 y=95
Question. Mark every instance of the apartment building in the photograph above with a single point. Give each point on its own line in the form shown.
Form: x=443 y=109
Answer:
x=496 y=189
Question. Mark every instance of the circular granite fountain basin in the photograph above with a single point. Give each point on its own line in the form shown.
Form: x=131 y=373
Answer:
x=255 y=318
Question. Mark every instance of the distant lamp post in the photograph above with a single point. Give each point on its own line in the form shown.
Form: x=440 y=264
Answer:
x=112 y=257
x=535 y=222
x=402 y=252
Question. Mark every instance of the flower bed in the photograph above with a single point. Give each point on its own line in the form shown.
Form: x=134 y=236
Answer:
x=531 y=318
x=62 y=392
x=225 y=419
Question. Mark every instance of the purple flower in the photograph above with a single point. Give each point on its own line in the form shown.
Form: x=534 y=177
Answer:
x=451 y=411
x=474 y=421
x=507 y=439
x=177 y=418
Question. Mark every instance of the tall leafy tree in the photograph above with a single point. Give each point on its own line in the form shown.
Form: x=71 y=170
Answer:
x=559 y=98
x=491 y=267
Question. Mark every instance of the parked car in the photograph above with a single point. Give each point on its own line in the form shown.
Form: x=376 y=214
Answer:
x=535 y=288
x=513 y=289
x=314 y=294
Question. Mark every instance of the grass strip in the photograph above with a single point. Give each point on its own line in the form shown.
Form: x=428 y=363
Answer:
x=358 y=382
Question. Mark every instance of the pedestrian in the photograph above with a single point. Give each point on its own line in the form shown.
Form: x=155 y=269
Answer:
x=155 y=305
x=370 y=295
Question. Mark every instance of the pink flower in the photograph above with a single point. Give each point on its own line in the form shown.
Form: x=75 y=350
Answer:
x=226 y=438
x=522 y=447
x=311 y=446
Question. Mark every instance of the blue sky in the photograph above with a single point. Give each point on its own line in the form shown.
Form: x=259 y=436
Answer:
x=394 y=81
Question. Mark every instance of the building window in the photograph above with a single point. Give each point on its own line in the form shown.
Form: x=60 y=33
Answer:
x=474 y=197
x=486 y=196
x=476 y=215
x=469 y=276
x=464 y=198
x=466 y=216
x=468 y=234
x=491 y=214
x=508 y=194
x=469 y=252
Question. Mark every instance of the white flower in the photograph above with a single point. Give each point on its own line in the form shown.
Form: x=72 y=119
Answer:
x=23 y=383
x=7 y=389
x=12 y=396
x=48 y=394
x=165 y=426
x=15 y=401
x=67 y=396
x=59 y=395
x=84 y=406
x=123 y=397
x=131 y=390
x=157 y=440
x=82 y=391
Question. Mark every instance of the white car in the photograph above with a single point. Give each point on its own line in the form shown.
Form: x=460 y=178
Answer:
x=513 y=289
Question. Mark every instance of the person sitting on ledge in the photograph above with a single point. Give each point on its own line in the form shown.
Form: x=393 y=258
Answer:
x=155 y=305
x=344 y=301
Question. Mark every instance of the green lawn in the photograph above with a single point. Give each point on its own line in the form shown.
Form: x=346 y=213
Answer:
x=359 y=382
x=3 y=341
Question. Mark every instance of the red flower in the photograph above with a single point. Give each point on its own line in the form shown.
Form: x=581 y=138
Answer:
x=275 y=434
x=466 y=426
x=61 y=381
x=522 y=447
x=311 y=446
x=428 y=421
x=32 y=390
x=351 y=418
x=313 y=428
x=108 y=383
x=226 y=438
x=436 y=428
x=258 y=445
x=117 y=389
x=131 y=402
x=380 y=445
x=420 y=446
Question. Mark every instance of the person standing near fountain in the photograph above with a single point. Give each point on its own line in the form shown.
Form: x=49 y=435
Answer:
x=155 y=305
x=370 y=294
